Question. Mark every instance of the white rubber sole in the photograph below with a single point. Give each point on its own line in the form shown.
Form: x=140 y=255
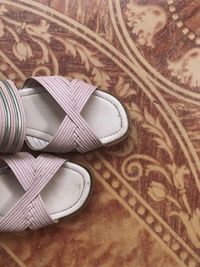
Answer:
x=103 y=112
x=65 y=194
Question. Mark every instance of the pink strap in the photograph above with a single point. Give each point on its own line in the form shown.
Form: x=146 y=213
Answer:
x=74 y=132
x=33 y=174
x=12 y=118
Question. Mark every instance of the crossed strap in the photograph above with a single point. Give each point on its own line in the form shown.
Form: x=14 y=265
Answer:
x=33 y=175
x=74 y=132
x=12 y=118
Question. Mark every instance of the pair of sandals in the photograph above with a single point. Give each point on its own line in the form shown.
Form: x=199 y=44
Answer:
x=53 y=115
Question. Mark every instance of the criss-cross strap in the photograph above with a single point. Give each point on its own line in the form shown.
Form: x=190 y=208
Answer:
x=12 y=118
x=74 y=132
x=33 y=175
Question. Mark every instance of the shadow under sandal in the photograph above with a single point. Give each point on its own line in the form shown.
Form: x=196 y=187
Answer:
x=39 y=192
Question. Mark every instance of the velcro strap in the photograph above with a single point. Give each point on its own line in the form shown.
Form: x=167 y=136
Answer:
x=12 y=118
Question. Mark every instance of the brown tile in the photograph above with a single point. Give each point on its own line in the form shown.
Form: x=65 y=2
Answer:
x=145 y=210
x=6 y=259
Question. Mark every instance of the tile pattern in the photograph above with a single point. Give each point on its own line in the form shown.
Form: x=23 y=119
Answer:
x=145 y=210
x=6 y=259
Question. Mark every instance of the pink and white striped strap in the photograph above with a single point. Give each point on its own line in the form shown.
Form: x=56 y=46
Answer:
x=12 y=118
x=33 y=175
x=74 y=132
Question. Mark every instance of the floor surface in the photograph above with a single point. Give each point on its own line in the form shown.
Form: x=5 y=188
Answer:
x=145 y=209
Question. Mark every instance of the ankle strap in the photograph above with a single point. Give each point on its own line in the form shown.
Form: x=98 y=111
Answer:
x=12 y=118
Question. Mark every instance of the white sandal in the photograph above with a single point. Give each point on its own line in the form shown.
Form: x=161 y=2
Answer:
x=57 y=115
x=38 y=192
